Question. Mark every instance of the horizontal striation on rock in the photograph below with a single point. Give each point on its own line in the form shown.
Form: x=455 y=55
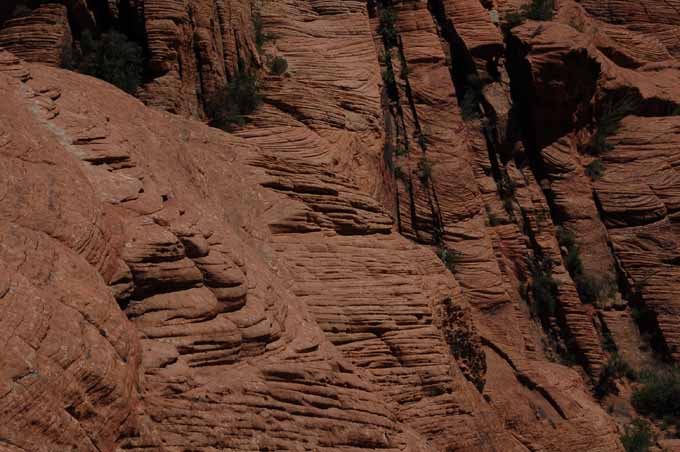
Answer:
x=71 y=358
x=358 y=266
x=40 y=36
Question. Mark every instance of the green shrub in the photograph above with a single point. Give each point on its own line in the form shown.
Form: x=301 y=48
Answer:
x=450 y=258
x=595 y=169
x=401 y=151
x=388 y=17
x=566 y=238
x=608 y=122
x=388 y=76
x=424 y=170
x=540 y=10
x=261 y=38
x=112 y=58
x=404 y=71
x=279 y=65
x=659 y=394
x=512 y=20
x=469 y=107
x=229 y=106
x=543 y=288
x=509 y=206
x=494 y=220
x=638 y=436
x=608 y=343
x=573 y=262
x=422 y=140
x=591 y=289
x=615 y=369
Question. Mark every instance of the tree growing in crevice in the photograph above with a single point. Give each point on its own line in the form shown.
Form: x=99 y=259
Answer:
x=469 y=107
x=388 y=76
x=506 y=189
x=659 y=392
x=638 y=436
x=543 y=288
x=608 y=121
x=261 y=37
x=112 y=58
x=595 y=169
x=278 y=65
x=228 y=107
x=451 y=258
x=615 y=369
x=543 y=10
x=591 y=289
x=424 y=170
x=472 y=98
x=388 y=19
x=540 y=10
x=647 y=321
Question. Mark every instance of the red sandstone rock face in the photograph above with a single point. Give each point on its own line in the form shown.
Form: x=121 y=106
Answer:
x=40 y=36
x=70 y=358
x=225 y=300
x=609 y=216
x=278 y=287
x=193 y=48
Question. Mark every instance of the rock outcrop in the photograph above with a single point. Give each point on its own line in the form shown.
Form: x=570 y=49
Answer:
x=44 y=35
x=431 y=234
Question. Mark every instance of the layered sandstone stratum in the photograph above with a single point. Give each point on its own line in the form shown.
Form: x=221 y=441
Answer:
x=168 y=286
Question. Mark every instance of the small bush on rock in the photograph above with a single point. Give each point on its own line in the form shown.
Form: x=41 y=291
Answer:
x=615 y=369
x=424 y=170
x=261 y=37
x=540 y=10
x=512 y=20
x=450 y=258
x=609 y=120
x=659 y=394
x=591 y=289
x=229 y=106
x=469 y=107
x=112 y=58
x=279 y=65
x=595 y=169
x=638 y=436
x=388 y=18
x=543 y=289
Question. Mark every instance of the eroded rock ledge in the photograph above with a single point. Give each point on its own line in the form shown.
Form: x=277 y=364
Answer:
x=168 y=286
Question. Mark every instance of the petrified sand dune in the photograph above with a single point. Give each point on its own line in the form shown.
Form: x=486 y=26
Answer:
x=169 y=286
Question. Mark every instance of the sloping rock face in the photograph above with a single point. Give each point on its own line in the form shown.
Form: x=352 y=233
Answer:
x=40 y=36
x=256 y=300
x=626 y=216
x=173 y=287
x=192 y=49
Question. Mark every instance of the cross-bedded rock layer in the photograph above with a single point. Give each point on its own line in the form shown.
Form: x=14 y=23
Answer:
x=278 y=287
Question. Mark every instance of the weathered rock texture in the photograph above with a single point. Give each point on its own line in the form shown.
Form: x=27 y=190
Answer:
x=168 y=286
x=39 y=36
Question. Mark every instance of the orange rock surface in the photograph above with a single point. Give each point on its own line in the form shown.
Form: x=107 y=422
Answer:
x=169 y=286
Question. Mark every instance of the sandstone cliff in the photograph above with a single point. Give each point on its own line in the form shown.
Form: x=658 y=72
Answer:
x=169 y=286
